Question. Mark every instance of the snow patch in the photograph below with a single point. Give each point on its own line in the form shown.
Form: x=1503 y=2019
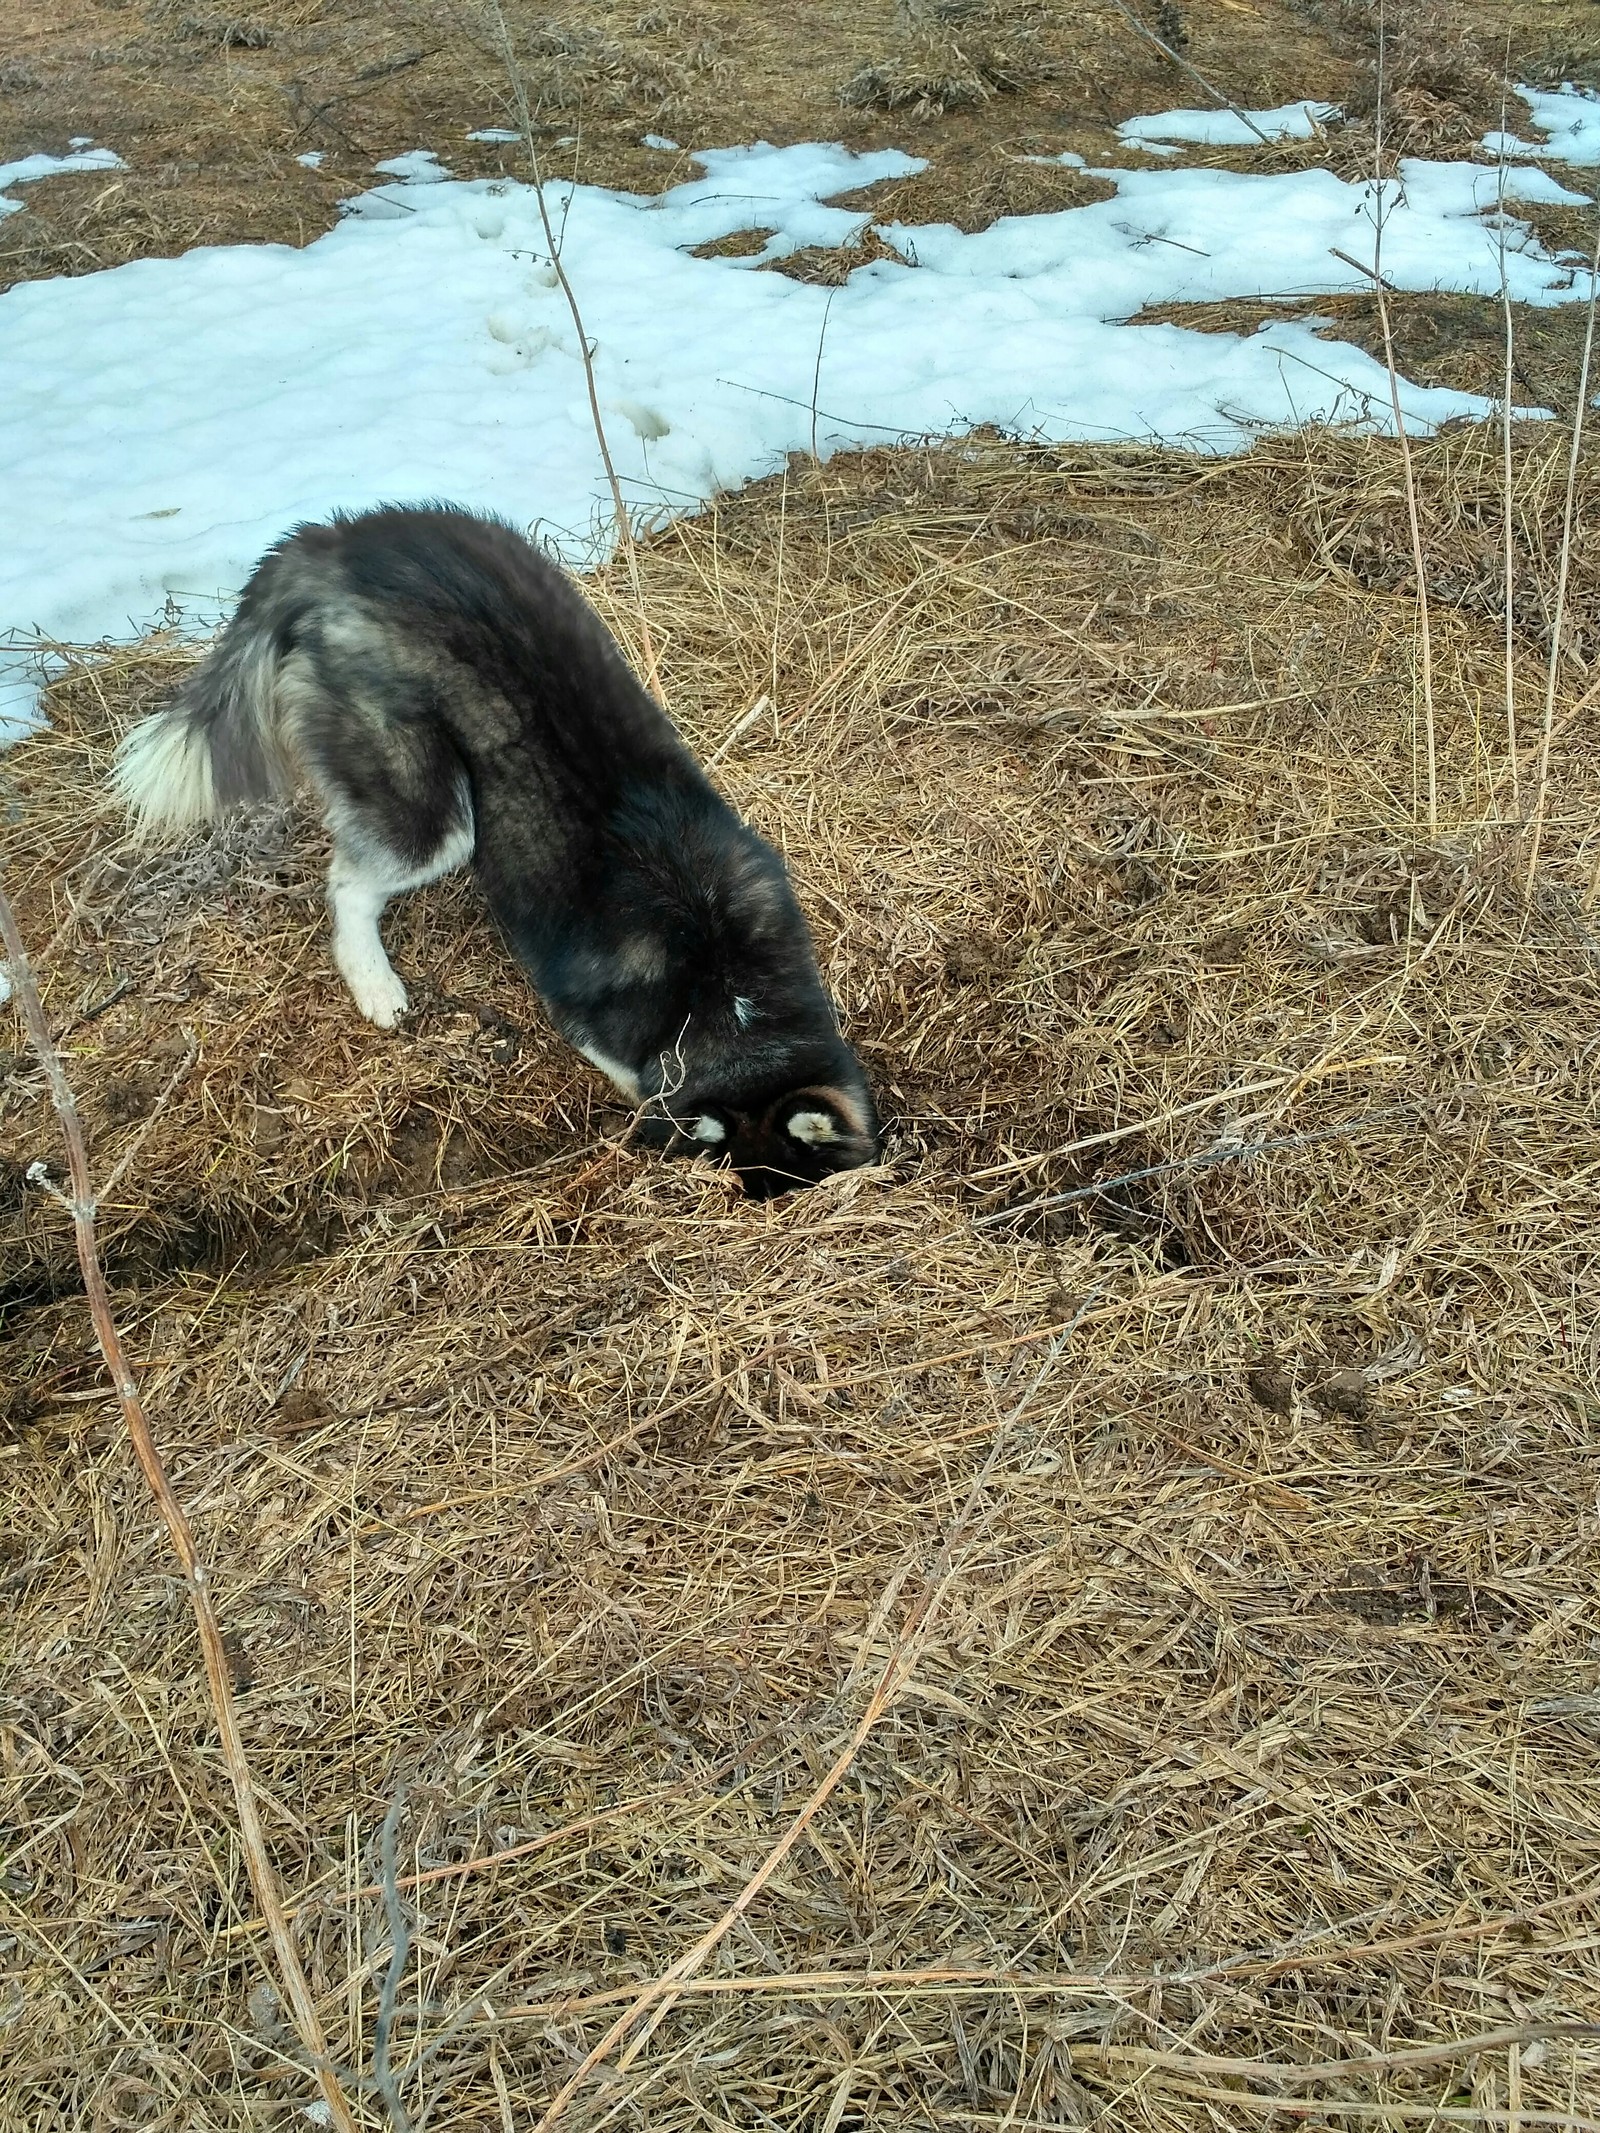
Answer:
x=418 y=166
x=1568 y=117
x=1227 y=129
x=163 y=422
x=32 y=168
x=19 y=697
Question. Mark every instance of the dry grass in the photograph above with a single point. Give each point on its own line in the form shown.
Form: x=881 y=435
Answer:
x=1247 y=1765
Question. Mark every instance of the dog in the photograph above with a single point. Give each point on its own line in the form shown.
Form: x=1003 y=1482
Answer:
x=449 y=695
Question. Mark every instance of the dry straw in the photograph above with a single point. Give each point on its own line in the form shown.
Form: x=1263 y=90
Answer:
x=80 y=1206
x=567 y=1515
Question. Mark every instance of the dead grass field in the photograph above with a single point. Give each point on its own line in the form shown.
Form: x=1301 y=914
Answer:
x=578 y=1498
x=1219 y=1339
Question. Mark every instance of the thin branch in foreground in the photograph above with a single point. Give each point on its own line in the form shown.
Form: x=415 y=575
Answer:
x=625 y=538
x=1558 y=628
x=219 y=1682
x=1178 y=60
x=656 y=2000
x=1505 y=451
x=383 y=2075
x=816 y=375
x=1206 y=1159
x=1418 y=559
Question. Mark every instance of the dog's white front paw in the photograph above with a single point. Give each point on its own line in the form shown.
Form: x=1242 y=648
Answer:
x=374 y=987
x=381 y=998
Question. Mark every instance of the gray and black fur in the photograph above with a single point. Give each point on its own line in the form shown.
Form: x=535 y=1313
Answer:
x=449 y=695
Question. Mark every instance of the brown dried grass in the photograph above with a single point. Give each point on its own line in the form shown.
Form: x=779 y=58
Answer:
x=1247 y=1764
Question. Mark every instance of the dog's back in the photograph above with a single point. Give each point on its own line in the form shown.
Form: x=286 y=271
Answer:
x=449 y=693
x=377 y=632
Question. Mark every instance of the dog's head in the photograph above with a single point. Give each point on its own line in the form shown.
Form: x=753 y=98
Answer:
x=776 y=1144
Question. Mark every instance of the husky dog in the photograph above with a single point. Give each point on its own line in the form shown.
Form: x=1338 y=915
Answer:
x=448 y=695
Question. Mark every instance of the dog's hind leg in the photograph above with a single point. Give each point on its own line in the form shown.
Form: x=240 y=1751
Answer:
x=364 y=874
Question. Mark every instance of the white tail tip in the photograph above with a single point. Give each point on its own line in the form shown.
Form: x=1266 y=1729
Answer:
x=162 y=774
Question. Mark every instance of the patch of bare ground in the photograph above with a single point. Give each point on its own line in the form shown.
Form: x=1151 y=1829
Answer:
x=1445 y=340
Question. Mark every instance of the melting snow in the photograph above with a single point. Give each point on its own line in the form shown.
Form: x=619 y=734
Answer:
x=162 y=422
x=1227 y=129
x=1569 y=117
x=418 y=166
x=32 y=168
x=19 y=695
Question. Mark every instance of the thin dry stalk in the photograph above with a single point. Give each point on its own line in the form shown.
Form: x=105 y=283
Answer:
x=1204 y=1159
x=625 y=539
x=816 y=374
x=1418 y=559
x=1295 y=2075
x=1390 y=2112
x=1558 y=627
x=196 y=1576
x=384 y=2079
x=1193 y=72
x=1505 y=451
x=126 y=1161
x=777 y=597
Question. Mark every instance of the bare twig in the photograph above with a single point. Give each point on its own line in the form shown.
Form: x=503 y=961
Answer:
x=1418 y=560
x=817 y=1984
x=740 y=726
x=1361 y=267
x=1388 y=2111
x=1558 y=627
x=1207 y=1159
x=625 y=536
x=777 y=597
x=1193 y=72
x=656 y=2000
x=1295 y=2075
x=196 y=1576
x=816 y=375
x=131 y=1154
x=1505 y=450
x=383 y=2075
x=1123 y=1133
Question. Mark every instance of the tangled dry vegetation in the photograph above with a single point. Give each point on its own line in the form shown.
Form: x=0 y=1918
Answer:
x=1233 y=1266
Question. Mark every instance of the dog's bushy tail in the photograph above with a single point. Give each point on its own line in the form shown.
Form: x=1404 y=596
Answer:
x=216 y=744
